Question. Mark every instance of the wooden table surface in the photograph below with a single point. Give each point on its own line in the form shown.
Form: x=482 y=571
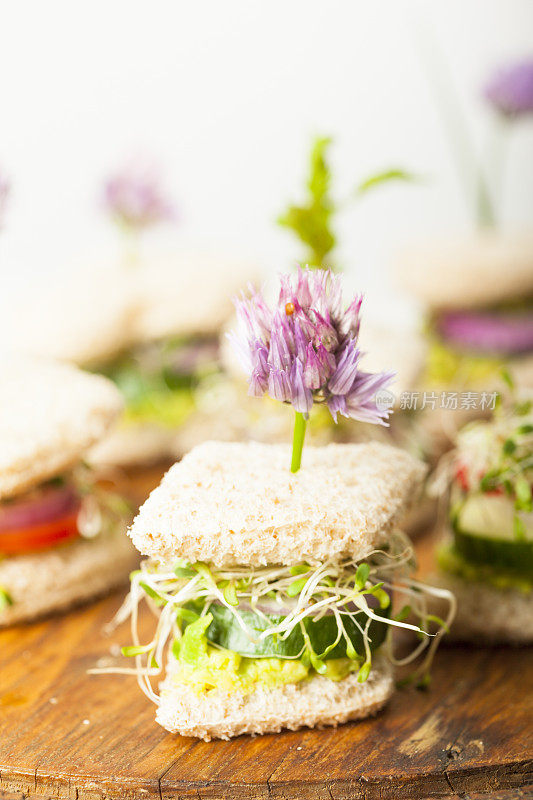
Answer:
x=65 y=734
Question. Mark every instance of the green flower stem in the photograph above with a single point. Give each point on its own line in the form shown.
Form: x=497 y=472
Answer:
x=485 y=210
x=132 y=250
x=298 y=441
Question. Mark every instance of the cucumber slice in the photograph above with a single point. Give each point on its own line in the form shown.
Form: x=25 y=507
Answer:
x=225 y=631
x=491 y=517
x=502 y=578
x=496 y=552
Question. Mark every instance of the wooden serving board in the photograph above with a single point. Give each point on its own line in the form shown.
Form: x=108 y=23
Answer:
x=65 y=734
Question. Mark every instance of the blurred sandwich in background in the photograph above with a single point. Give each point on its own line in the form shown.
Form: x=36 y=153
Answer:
x=153 y=330
x=478 y=295
x=62 y=527
x=487 y=556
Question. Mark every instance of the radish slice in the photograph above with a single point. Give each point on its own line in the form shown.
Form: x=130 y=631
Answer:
x=42 y=505
x=488 y=332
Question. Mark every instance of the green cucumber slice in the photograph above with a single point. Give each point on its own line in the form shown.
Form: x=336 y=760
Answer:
x=491 y=517
x=502 y=578
x=496 y=552
x=225 y=631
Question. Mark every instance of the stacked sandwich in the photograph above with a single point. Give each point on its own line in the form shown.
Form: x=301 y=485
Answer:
x=488 y=560
x=153 y=330
x=172 y=353
x=62 y=533
x=479 y=296
x=273 y=589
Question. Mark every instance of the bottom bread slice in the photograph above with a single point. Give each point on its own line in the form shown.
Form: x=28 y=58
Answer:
x=487 y=614
x=61 y=577
x=313 y=703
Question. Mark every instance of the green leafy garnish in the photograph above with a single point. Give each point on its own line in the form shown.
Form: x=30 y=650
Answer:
x=151 y=592
x=299 y=569
x=5 y=599
x=296 y=587
x=381 y=596
x=403 y=614
x=135 y=650
x=507 y=379
x=519 y=529
x=523 y=494
x=361 y=575
x=183 y=572
x=230 y=594
x=193 y=643
x=311 y=221
x=385 y=176
x=509 y=446
x=186 y=615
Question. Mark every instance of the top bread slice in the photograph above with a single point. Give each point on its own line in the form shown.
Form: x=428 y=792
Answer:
x=238 y=503
x=50 y=414
x=484 y=269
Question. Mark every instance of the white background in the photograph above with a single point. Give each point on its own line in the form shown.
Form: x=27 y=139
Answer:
x=226 y=95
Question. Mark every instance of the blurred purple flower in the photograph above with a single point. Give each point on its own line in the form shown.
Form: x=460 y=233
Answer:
x=510 y=89
x=5 y=188
x=304 y=351
x=135 y=198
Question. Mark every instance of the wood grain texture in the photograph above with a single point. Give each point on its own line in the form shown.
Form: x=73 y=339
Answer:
x=64 y=734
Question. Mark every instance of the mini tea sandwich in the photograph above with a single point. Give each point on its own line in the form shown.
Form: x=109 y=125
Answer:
x=272 y=583
x=272 y=589
x=145 y=329
x=488 y=559
x=62 y=535
x=479 y=293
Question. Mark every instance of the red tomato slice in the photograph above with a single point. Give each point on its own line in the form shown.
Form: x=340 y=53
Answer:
x=39 y=537
x=461 y=477
x=498 y=491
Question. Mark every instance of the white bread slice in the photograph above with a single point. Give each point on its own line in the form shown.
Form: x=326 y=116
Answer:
x=486 y=614
x=50 y=414
x=133 y=444
x=56 y=579
x=470 y=272
x=521 y=368
x=87 y=319
x=313 y=703
x=182 y=293
x=239 y=503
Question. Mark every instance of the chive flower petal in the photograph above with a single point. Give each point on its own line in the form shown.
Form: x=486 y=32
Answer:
x=305 y=349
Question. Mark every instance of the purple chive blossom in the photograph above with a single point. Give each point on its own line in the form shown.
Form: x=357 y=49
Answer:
x=510 y=89
x=135 y=198
x=305 y=351
x=5 y=188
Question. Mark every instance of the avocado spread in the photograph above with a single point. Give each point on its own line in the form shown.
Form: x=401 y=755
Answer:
x=205 y=668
